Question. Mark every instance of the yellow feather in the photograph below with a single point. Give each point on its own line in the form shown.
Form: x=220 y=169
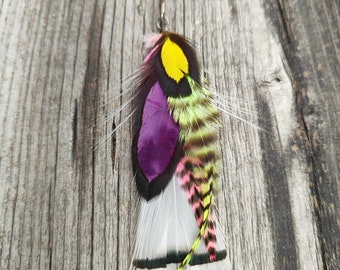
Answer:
x=174 y=60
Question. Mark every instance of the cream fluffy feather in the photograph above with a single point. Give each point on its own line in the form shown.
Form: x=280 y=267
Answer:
x=166 y=224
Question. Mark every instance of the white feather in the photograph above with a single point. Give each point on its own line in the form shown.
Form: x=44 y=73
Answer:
x=165 y=224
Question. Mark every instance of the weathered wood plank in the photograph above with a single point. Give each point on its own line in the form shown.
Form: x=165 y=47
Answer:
x=66 y=205
x=309 y=34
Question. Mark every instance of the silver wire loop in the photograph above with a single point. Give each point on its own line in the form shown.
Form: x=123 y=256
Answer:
x=162 y=22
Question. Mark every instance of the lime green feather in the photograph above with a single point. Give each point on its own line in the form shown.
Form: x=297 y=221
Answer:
x=198 y=119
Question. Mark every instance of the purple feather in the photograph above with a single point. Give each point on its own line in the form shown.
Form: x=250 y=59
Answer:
x=158 y=135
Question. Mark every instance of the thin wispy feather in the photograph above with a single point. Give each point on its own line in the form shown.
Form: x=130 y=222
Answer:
x=175 y=156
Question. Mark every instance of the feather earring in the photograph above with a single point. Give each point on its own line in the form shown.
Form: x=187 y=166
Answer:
x=175 y=160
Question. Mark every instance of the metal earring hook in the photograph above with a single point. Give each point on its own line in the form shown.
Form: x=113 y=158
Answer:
x=162 y=23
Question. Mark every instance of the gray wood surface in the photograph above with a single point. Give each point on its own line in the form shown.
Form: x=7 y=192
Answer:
x=64 y=205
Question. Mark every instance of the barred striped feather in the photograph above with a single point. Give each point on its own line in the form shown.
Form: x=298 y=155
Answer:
x=198 y=169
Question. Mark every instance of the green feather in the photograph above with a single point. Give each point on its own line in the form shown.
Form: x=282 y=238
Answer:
x=198 y=119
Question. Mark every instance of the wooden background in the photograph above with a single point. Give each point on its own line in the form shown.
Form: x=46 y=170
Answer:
x=65 y=206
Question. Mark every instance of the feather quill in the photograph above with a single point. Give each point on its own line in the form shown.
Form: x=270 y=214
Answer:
x=175 y=161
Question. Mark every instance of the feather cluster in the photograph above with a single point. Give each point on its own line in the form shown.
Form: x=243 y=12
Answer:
x=175 y=160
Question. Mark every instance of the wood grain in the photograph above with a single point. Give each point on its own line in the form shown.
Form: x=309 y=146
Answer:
x=66 y=204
